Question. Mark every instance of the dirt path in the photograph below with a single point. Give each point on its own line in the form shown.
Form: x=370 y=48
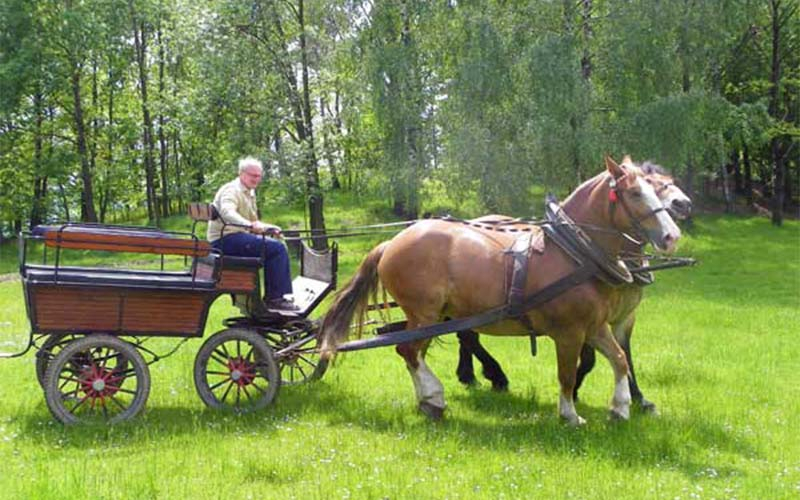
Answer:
x=9 y=277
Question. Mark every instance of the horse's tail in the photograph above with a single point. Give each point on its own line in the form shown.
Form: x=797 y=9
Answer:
x=352 y=300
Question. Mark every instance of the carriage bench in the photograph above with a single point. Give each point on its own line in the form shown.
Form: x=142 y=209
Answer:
x=74 y=299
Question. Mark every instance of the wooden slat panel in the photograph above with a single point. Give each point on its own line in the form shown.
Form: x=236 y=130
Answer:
x=177 y=312
x=60 y=308
x=238 y=280
x=112 y=240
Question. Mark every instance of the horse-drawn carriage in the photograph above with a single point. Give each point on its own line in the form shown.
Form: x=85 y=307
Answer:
x=89 y=324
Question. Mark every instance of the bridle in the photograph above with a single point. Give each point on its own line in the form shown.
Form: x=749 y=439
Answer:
x=615 y=198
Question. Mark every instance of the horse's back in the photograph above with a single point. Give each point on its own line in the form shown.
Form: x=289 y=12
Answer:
x=436 y=263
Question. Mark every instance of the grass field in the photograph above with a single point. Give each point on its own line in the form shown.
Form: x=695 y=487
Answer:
x=716 y=348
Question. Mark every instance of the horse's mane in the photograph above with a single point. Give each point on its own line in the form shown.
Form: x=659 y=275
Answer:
x=649 y=168
x=587 y=185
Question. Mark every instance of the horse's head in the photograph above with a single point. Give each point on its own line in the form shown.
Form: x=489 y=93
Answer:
x=674 y=199
x=641 y=210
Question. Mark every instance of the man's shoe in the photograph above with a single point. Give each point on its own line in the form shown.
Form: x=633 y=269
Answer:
x=282 y=304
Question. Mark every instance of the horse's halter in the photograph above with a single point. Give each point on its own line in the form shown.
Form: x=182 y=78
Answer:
x=615 y=197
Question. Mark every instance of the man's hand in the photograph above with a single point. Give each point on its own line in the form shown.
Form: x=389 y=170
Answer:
x=272 y=230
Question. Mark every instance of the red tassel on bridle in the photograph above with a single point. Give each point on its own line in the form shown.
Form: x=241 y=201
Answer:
x=612 y=192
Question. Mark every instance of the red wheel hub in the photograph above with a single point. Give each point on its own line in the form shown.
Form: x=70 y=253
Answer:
x=242 y=372
x=99 y=383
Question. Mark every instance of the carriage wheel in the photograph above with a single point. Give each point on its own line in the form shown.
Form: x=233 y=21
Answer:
x=52 y=346
x=96 y=379
x=235 y=370
x=302 y=364
x=48 y=351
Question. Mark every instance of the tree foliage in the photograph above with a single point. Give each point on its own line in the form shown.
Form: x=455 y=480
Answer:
x=116 y=109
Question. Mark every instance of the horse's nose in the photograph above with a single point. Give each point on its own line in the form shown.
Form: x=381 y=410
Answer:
x=669 y=240
x=682 y=207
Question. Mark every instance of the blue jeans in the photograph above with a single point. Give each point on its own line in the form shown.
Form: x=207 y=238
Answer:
x=275 y=259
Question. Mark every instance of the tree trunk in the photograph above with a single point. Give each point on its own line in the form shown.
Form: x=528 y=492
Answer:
x=315 y=198
x=110 y=160
x=39 y=180
x=140 y=46
x=95 y=136
x=327 y=147
x=748 y=176
x=737 y=172
x=726 y=189
x=162 y=139
x=87 y=195
x=778 y=172
x=64 y=200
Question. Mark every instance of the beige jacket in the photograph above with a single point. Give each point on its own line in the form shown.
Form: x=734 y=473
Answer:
x=236 y=205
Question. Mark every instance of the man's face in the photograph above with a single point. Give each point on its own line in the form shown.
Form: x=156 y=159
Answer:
x=251 y=176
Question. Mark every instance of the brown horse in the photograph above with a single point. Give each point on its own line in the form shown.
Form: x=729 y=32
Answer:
x=437 y=269
x=621 y=318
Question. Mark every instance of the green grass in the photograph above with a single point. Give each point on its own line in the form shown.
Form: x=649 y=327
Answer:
x=715 y=346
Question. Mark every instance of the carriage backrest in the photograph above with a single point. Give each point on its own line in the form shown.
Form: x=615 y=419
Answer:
x=121 y=239
x=321 y=266
x=202 y=212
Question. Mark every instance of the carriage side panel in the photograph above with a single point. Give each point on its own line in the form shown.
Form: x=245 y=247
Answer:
x=118 y=310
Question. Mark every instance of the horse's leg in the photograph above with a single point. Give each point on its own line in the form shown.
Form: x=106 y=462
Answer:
x=567 y=350
x=584 y=367
x=428 y=388
x=608 y=346
x=624 y=339
x=470 y=345
x=465 y=370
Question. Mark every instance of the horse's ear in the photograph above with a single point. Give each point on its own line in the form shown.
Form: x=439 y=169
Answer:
x=613 y=168
x=627 y=160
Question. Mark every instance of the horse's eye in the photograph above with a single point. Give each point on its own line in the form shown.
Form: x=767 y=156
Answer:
x=636 y=194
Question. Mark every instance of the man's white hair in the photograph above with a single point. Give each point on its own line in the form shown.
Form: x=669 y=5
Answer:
x=249 y=161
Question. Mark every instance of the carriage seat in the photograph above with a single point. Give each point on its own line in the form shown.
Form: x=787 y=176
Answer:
x=232 y=262
x=129 y=278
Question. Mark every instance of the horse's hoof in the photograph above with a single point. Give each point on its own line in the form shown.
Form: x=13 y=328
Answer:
x=500 y=386
x=619 y=414
x=434 y=413
x=648 y=407
x=574 y=420
x=469 y=382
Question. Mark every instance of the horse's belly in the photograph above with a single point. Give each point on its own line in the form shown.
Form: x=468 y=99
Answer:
x=506 y=328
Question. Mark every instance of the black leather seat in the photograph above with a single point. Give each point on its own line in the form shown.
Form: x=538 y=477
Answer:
x=36 y=274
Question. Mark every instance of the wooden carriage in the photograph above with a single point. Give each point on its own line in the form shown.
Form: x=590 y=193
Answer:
x=88 y=322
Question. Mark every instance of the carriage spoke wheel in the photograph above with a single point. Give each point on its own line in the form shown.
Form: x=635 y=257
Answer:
x=235 y=370
x=48 y=351
x=96 y=379
x=302 y=364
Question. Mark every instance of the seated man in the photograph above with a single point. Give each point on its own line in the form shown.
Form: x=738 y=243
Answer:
x=237 y=232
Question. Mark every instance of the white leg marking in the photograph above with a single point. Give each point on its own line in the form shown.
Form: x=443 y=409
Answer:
x=621 y=403
x=427 y=387
x=566 y=408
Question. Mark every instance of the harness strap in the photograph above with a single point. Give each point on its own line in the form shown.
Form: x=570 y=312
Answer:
x=551 y=291
x=519 y=254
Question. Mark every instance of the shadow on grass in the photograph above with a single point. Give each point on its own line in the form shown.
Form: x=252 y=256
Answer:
x=478 y=420
x=519 y=423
